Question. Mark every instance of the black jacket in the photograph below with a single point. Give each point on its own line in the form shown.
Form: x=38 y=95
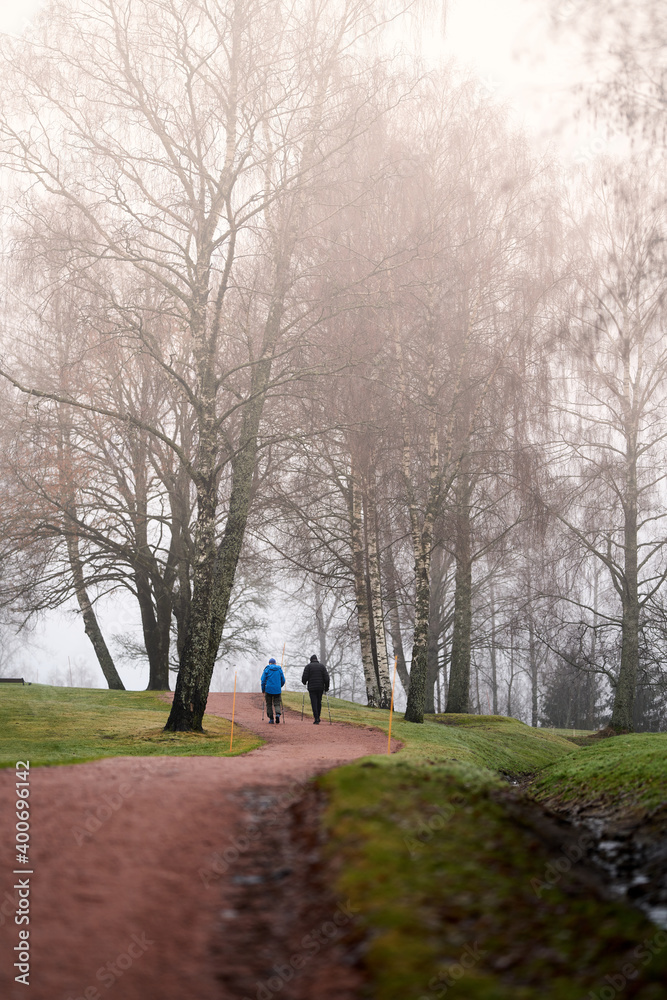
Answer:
x=316 y=676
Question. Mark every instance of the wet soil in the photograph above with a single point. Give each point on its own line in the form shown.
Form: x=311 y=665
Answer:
x=628 y=853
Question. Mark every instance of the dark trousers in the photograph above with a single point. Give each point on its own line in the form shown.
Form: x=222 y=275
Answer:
x=316 y=702
x=273 y=700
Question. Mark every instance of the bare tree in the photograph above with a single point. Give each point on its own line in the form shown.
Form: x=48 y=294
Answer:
x=457 y=317
x=608 y=457
x=627 y=49
x=191 y=139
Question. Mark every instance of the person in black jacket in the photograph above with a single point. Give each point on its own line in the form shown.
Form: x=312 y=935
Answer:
x=316 y=677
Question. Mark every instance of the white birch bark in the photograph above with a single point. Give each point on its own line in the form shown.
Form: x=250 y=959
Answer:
x=384 y=682
x=363 y=617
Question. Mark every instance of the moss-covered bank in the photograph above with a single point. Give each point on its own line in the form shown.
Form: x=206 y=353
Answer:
x=457 y=897
x=459 y=892
x=623 y=775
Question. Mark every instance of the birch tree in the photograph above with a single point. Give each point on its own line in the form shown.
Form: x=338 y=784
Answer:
x=190 y=139
x=481 y=274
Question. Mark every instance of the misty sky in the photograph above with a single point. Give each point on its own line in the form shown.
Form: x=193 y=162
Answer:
x=512 y=47
x=510 y=44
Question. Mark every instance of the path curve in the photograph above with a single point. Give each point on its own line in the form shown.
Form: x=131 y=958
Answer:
x=125 y=910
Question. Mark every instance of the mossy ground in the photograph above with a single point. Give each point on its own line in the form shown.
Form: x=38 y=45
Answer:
x=454 y=894
x=622 y=774
x=55 y=725
x=455 y=898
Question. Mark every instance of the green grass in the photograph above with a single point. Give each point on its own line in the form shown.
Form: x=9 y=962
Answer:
x=55 y=725
x=442 y=879
x=571 y=732
x=491 y=741
x=623 y=774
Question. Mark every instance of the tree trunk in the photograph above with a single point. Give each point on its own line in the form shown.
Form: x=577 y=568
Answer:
x=360 y=593
x=458 y=695
x=622 y=715
x=192 y=683
x=623 y=711
x=91 y=624
x=511 y=677
x=191 y=692
x=394 y=619
x=375 y=587
x=591 y=687
x=155 y=625
x=414 y=711
x=433 y=647
x=156 y=631
x=532 y=654
x=494 y=647
x=479 y=706
x=422 y=541
x=321 y=628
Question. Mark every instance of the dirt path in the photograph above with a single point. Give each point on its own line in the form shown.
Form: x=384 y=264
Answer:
x=140 y=865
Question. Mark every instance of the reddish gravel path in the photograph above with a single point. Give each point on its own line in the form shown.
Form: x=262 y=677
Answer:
x=129 y=910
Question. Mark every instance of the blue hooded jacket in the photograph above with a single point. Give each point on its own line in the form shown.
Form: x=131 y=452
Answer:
x=273 y=679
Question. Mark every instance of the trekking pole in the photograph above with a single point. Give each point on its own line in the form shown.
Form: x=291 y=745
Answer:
x=328 y=708
x=302 y=704
x=263 y=700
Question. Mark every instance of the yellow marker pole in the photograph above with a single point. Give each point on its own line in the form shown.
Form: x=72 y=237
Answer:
x=282 y=661
x=231 y=735
x=391 y=708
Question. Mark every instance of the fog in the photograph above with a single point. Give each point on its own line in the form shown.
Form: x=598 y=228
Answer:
x=337 y=331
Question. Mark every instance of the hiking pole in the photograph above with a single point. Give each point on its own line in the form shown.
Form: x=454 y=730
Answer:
x=302 y=704
x=328 y=708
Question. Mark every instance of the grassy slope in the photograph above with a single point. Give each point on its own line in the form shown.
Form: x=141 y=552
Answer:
x=491 y=741
x=53 y=725
x=624 y=773
x=425 y=850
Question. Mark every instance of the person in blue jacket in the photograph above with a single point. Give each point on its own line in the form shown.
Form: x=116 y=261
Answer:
x=273 y=680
